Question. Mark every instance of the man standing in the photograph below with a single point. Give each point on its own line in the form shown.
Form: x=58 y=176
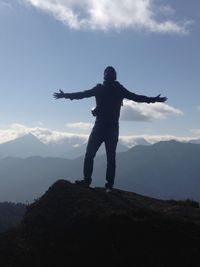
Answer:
x=109 y=99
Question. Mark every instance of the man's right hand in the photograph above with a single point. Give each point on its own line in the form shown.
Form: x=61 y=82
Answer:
x=59 y=95
x=158 y=98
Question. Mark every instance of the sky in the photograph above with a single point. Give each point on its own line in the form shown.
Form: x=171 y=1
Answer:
x=47 y=45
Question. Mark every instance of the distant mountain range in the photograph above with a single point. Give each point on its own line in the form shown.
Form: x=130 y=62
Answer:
x=165 y=170
x=29 y=145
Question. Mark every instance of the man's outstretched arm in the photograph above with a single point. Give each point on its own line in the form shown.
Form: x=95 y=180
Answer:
x=77 y=95
x=143 y=99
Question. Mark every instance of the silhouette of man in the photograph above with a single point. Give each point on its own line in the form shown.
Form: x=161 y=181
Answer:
x=109 y=99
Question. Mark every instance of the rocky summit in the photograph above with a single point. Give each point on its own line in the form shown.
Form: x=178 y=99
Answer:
x=75 y=226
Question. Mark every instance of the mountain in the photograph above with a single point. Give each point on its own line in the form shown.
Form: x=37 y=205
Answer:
x=139 y=141
x=166 y=170
x=75 y=226
x=29 y=145
x=23 y=147
x=66 y=148
x=79 y=151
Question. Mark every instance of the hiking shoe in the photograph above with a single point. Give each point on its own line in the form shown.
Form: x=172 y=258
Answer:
x=82 y=183
x=108 y=190
x=108 y=187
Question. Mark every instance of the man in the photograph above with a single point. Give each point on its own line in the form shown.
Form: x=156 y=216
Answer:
x=109 y=99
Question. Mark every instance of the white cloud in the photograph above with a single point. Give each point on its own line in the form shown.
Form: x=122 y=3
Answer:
x=132 y=111
x=107 y=14
x=52 y=136
x=80 y=125
x=16 y=130
x=133 y=140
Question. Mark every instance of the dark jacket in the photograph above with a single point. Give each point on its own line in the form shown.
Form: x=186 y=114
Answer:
x=109 y=99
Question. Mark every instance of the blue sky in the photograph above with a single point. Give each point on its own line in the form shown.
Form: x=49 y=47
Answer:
x=46 y=45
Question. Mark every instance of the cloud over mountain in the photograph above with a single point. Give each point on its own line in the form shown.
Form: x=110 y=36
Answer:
x=49 y=136
x=46 y=135
x=105 y=14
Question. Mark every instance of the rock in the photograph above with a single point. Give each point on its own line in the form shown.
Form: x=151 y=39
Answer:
x=75 y=226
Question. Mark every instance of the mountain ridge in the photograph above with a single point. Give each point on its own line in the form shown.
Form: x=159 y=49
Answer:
x=23 y=146
x=165 y=170
x=87 y=226
x=30 y=145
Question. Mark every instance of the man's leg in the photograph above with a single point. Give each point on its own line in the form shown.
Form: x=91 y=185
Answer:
x=111 y=145
x=94 y=142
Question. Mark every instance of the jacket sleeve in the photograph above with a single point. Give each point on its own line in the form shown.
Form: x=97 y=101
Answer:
x=137 y=98
x=83 y=94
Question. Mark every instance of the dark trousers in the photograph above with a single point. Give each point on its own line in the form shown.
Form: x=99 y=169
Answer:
x=107 y=133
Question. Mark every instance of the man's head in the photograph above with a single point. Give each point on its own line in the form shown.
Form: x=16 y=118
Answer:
x=110 y=74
